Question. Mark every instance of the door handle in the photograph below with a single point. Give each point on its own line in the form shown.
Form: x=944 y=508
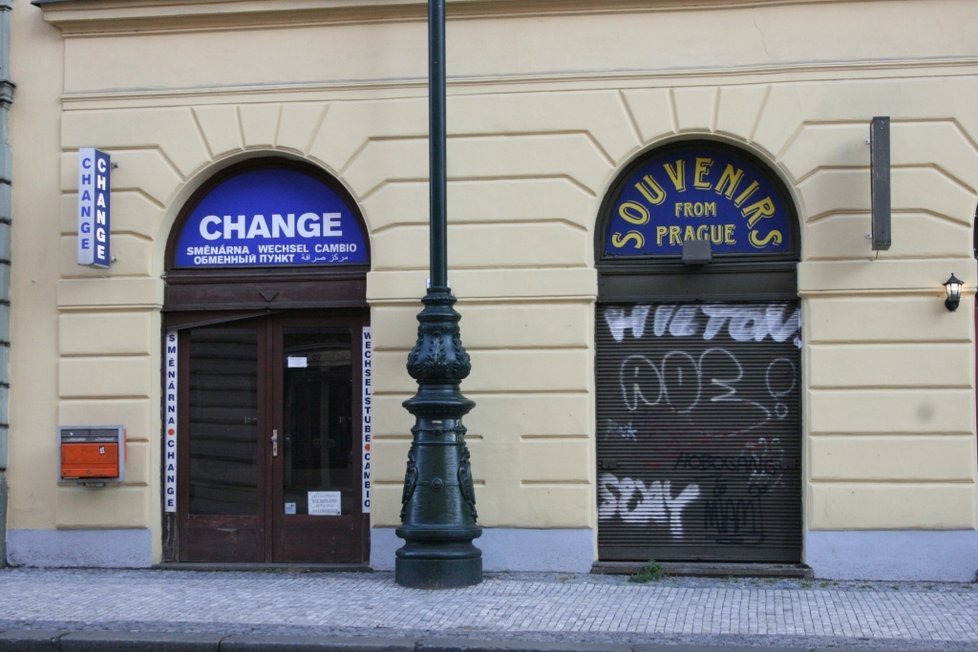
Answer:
x=274 y=443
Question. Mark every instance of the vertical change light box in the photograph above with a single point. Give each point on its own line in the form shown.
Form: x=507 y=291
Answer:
x=94 y=191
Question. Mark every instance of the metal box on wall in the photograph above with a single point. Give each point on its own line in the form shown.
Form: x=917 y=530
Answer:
x=92 y=455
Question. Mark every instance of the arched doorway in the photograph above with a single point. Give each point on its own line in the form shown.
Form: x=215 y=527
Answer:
x=698 y=359
x=266 y=378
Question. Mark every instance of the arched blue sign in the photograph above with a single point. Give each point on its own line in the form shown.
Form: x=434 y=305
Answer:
x=271 y=216
x=698 y=191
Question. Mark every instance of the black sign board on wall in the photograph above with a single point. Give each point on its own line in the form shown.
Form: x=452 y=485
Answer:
x=879 y=157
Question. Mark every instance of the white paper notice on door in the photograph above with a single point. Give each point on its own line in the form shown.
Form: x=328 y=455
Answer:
x=324 y=503
x=297 y=362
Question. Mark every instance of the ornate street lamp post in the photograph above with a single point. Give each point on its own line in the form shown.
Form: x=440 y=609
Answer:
x=438 y=506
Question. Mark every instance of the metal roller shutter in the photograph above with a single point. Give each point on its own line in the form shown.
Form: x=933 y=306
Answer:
x=699 y=432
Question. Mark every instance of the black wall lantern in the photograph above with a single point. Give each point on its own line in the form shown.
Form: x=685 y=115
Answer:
x=953 y=288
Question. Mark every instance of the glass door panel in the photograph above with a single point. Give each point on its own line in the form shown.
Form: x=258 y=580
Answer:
x=318 y=475
x=316 y=515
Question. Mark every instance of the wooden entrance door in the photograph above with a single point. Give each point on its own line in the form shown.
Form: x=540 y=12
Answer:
x=270 y=412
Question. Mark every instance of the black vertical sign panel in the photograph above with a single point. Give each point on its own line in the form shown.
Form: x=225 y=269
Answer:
x=699 y=432
x=879 y=175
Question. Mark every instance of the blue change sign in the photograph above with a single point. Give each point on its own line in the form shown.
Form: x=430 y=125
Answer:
x=271 y=216
x=94 y=207
x=698 y=191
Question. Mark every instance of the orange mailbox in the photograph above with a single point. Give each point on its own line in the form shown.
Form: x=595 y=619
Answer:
x=92 y=455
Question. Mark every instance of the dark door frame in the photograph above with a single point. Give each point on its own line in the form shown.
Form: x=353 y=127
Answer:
x=271 y=543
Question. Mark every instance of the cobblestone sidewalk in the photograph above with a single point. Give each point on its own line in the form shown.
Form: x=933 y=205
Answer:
x=579 y=609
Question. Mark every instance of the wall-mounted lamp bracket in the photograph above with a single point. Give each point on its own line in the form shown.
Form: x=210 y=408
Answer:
x=952 y=288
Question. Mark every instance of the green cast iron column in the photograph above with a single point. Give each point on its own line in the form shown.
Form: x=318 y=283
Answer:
x=438 y=515
x=437 y=147
x=6 y=165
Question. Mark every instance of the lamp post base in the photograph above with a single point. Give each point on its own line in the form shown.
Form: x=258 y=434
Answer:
x=438 y=515
x=443 y=566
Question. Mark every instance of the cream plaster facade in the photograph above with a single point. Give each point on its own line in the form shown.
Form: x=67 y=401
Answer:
x=548 y=101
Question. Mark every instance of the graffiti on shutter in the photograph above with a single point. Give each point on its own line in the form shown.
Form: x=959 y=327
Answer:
x=699 y=432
